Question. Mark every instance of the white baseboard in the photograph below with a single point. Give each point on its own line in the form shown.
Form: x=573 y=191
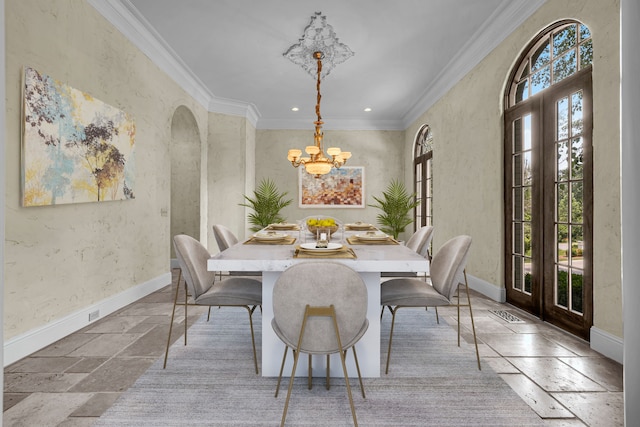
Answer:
x=487 y=289
x=25 y=344
x=606 y=344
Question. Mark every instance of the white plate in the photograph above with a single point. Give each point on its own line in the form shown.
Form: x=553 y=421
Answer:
x=270 y=236
x=359 y=226
x=377 y=236
x=312 y=247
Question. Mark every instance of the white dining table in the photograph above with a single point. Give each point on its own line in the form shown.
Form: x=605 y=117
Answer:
x=271 y=259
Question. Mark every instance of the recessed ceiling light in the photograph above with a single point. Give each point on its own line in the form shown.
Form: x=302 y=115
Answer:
x=367 y=109
x=295 y=109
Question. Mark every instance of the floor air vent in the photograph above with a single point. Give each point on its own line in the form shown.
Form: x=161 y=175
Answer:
x=506 y=316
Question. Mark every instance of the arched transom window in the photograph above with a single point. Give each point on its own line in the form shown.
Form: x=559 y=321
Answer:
x=423 y=177
x=561 y=53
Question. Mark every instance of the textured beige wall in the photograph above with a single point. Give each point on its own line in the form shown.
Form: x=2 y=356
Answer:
x=380 y=152
x=60 y=259
x=468 y=173
x=230 y=142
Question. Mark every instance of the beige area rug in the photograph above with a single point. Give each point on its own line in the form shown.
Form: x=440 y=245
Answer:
x=212 y=382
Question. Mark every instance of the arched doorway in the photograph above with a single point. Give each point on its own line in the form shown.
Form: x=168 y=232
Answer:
x=185 y=153
x=549 y=179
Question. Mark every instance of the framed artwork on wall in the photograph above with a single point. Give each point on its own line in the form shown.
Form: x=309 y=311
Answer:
x=340 y=188
x=75 y=148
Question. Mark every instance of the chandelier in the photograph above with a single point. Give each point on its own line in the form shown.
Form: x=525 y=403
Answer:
x=317 y=163
x=318 y=42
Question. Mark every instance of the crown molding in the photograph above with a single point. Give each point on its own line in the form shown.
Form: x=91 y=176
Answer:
x=126 y=18
x=234 y=108
x=508 y=16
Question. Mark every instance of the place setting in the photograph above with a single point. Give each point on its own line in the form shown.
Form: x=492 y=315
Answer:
x=270 y=237
x=372 y=238
x=322 y=247
x=283 y=226
x=359 y=226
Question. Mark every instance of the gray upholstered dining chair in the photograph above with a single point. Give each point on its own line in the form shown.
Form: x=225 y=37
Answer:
x=447 y=275
x=201 y=285
x=303 y=297
x=418 y=242
x=225 y=239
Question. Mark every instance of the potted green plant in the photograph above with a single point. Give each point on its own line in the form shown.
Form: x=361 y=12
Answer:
x=396 y=204
x=266 y=204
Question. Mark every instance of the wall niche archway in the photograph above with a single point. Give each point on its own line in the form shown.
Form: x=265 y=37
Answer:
x=185 y=153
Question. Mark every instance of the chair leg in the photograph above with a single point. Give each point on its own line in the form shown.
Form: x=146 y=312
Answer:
x=173 y=312
x=355 y=356
x=344 y=368
x=296 y=355
x=186 y=297
x=393 y=322
x=319 y=311
x=310 y=373
x=437 y=317
x=253 y=339
x=209 y=314
x=284 y=358
x=327 y=371
x=473 y=326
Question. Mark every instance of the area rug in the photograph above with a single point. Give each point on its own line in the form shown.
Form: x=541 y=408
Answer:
x=212 y=382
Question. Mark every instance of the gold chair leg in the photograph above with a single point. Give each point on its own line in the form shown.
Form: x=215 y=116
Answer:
x=393 y=322
x=344 y=367
x=284 y=358
x=296 y=355
x=319 y=311
x=473 y=326
x=293 y=374
x=355 y=356
x=253 y=339
x=173 y=312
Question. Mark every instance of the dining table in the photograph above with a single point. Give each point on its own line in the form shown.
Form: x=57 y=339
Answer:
x=368 y=253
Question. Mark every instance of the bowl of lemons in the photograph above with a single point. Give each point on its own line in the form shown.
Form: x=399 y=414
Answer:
x=328 y=224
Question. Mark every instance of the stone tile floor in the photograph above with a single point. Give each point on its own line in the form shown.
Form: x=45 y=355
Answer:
x=74 y=380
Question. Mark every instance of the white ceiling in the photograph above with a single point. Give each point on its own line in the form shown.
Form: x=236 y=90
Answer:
x=229 y=53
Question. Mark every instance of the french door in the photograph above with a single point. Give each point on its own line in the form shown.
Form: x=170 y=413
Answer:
x=548 y=205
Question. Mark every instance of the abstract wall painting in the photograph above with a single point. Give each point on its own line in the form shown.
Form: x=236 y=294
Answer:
x=340 y=188
x=75 y=148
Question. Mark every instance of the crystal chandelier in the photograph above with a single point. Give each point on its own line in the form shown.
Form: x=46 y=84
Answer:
x=317 y=163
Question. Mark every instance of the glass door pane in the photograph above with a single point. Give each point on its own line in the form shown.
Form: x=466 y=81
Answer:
x=569 y=203
x=521 y=189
